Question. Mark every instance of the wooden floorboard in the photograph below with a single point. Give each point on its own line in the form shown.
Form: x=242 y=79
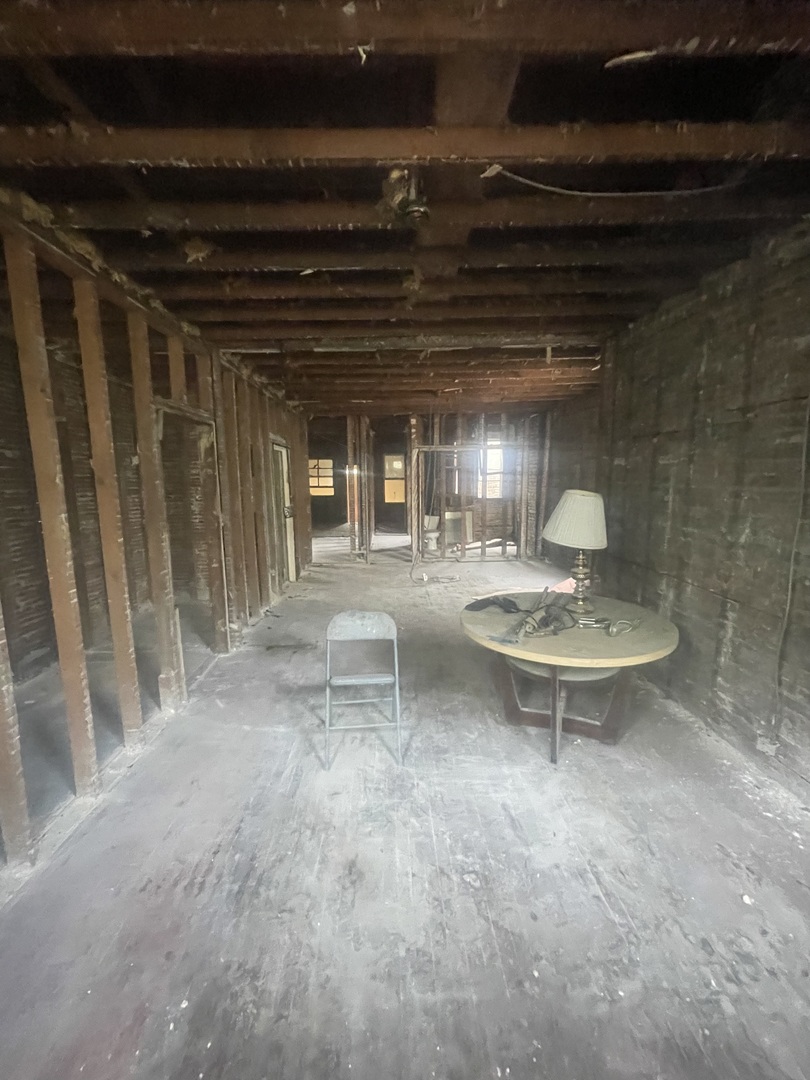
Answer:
x=232 y=910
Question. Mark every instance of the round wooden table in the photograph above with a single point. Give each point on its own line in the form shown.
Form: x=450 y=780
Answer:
x=652 y=639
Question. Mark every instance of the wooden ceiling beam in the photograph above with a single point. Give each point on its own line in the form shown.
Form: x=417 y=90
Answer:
x=326 y=332
x=446 y=357
x=447 y=403
x=564 y=308
x=567 y=284
x=572 y=144
x=432 y=401
x=62 y=95
x=435 y=366
x=536 y=339
x=330 y=374
x=541 y=211
x=539 y=27
x=474 y=87
x=516 y=256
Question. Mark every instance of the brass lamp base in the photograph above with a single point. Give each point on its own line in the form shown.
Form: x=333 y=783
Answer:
x=581 y=573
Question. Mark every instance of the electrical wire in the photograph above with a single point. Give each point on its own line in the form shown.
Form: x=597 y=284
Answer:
x=792 y=568
x=551 y=189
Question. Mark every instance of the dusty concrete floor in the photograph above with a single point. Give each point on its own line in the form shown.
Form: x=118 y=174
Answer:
x=41 y=707
x=231 y=910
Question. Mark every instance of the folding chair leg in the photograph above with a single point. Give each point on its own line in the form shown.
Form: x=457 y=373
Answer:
x=399 y=727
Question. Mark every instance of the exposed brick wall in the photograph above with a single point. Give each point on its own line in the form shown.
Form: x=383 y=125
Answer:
x=24 y=587
x=80 y=493
x=573 y=459
x=702 y=439
x=122 y=408
x=24 y=591
x=180 y=450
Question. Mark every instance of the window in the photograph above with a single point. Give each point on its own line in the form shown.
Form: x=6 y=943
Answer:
x=321 y=476
x=494 y=475
x=394 y=478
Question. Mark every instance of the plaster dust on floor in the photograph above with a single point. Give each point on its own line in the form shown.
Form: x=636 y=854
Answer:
x=233 y=910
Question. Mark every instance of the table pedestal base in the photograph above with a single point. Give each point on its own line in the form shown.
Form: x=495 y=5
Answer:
x=510 y=683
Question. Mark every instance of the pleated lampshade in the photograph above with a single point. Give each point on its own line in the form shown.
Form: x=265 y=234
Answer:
x=578 y=521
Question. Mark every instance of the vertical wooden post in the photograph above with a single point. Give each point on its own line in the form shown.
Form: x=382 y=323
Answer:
x=441 y=464
x=257 y=421
x=212 y=514
x=368 y=483
x=543 y=497
x=351 y=471
x=14 y=822
x=224 y=499
x=232 y=462
x=26 y=309
x=172 y=679
x=177 y=369
x=275 y=525
x=459 y=472
x=99 y=420
x=248 y=501
x=417 y=482
x=523 y=505
x=484 y=477
x=504 y=517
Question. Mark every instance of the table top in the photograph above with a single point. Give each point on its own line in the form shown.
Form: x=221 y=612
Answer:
x=654 y=638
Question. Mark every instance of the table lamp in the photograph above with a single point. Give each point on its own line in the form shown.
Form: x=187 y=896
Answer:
x=578 y=521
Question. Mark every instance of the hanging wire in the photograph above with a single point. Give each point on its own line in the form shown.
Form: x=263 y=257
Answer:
x=499 y=170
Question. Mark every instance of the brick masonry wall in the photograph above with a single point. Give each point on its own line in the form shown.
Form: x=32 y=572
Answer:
x=24 y=589
x=80 y=492
x=181 y=471
x=122 y=408
x=23 y=577
x=573 y=461
x=700 y=440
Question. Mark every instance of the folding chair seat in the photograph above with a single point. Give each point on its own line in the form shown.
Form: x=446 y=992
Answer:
x=355 y=626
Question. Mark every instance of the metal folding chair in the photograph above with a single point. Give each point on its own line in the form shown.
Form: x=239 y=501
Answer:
x=362 y=626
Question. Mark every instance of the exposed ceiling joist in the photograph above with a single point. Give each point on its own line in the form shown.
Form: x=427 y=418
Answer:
x=544 y=211
x=582 y=354
x=288 y=147
x=255 y=27
x=259 y=340
x=606 y=253
x=448 y=356
x=315 y=288
x=566 y=308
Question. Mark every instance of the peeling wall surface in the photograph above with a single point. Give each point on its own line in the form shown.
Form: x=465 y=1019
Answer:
x=697 y=445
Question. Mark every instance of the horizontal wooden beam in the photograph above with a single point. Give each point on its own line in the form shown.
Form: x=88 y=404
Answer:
x=449 y=357
x=542 y=27
x=573 y=283
x=529 y=339
x=326 y=332
x=285 y=147
x=396 y=365
x=605 y=253
x=540 y=211
x=515 y=386
x=430 y=401
x=387 y=312
x=439 y=403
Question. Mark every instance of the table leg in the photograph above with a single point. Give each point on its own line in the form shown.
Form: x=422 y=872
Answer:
x=556 y=713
